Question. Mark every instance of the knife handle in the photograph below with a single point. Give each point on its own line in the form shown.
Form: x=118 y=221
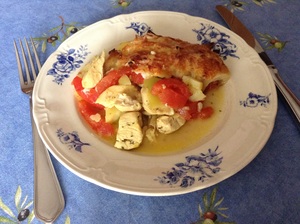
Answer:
x=289 y=96
x=48 y=197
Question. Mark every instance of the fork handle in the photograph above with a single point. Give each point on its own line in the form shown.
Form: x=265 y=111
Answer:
x=48 y=197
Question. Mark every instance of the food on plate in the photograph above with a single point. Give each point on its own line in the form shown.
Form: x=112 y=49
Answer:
x=165 y=57
x=150 y=86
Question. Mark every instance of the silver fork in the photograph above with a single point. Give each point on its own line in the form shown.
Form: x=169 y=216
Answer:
x=48 y=198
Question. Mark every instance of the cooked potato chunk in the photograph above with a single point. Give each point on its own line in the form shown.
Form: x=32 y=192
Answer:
x=112 y=114
x=195 y=88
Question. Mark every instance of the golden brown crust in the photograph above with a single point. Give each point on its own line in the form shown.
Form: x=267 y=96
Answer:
x=154 y=55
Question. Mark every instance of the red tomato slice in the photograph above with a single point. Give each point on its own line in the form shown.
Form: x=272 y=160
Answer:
x=113 y=76
x=172 y=98
x=101 y=127
x=136 y=78
x=206 y=112
x=77 y=83
x=193 y=109
x=172 y=92
x=110 y=79
x=190 y=111
x=184 y=112
x=89 y=95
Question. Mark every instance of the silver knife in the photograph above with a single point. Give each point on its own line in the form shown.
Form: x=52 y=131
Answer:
x=239 y=28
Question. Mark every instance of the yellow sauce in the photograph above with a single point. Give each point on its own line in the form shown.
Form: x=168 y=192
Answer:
x=192 y=133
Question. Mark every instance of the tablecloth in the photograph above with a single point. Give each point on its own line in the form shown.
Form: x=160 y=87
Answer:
x=265 y=191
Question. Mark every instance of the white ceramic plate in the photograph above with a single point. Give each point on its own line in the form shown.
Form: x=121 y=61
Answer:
x=249 y=110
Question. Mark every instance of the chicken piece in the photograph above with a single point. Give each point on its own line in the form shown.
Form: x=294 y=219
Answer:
x=151 y=132
x=169 y=124
x=129 y=134
x=92 y=72
x=123 y=97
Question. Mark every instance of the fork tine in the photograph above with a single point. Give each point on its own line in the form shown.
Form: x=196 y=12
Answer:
x=27 y=76
x=22 y=80
x=35 y=55
x=33 y=72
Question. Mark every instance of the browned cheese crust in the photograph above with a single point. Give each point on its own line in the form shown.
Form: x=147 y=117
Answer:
x=154 y=55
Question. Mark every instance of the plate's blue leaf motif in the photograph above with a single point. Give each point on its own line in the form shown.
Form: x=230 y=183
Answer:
x=222 y=45
x=254 y=100
x=71 y=139
x=67 y=62
x=195 y=168
x=140 y=28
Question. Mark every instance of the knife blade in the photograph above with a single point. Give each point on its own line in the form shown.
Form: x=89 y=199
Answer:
x=240 y=29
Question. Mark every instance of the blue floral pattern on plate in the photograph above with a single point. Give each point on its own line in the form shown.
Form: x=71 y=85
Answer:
x=140 y=28
x=222 y=45
x=255 y=100
x=66 y=63
x=71 y=139
x=195 y=168
x=206 y=34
